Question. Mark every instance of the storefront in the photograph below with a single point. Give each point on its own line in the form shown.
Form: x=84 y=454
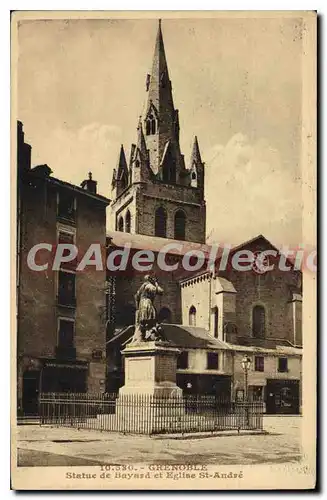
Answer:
x=210 y=385
x=282 y=396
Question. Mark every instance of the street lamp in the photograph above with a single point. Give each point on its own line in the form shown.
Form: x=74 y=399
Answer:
x=246 y=363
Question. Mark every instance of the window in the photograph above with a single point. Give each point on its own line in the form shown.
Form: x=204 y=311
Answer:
x=128 y=222
x=194 y=179
x=66 y=333
x=256 y=393
x=169 y=168
x=121 y=224
x=259 y=364
x=66 y=205
x=258 y=322
x=180 y=220
x=151 y=125
x=182 y=361
x=215 y=321
x=160 y=222
x=212 y=361
x=66 y=289
x=192 y=316
x=67 y=238
x=282 y=365
x=164 y=315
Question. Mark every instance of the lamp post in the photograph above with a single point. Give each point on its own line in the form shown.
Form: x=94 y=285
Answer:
x=246 y=363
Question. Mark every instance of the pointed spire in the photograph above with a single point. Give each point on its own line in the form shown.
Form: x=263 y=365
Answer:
x=159 y=86
x=122 y=164
x=196 y=156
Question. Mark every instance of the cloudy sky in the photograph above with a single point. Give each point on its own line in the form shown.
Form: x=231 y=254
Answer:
x=236 y=83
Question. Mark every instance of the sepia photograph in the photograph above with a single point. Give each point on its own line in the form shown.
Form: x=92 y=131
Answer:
x=164 y=227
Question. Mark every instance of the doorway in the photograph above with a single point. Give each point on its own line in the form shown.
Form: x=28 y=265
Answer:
x=31 y=381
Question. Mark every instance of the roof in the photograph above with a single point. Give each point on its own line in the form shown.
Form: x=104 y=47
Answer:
x=179 y=336
x=277 y=350
x=41 y=173
x=154 y=243
x=223 y=285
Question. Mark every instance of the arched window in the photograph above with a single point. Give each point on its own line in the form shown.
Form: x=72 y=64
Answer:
x=164 y=315
x=128 y=222
x=180 y=223
x=258 y=322
x=194 y=182
x=192 y=316
x=121 y=224
x=215 y=321
x=160 y=222
x=151 y=125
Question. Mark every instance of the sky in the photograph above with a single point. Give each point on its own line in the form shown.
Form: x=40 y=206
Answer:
x=236 y=83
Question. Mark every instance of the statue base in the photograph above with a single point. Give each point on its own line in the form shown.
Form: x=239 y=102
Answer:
x=150 y=401
x=150 y=368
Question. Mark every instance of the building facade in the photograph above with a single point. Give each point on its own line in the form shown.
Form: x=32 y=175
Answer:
x=258 y=316
x=60 y=314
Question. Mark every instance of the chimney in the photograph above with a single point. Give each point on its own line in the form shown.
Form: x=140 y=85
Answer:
x=23 y=149
x=89 y=184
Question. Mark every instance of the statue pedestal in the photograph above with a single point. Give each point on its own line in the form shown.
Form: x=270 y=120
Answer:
x=150 y=368
x=150 y=401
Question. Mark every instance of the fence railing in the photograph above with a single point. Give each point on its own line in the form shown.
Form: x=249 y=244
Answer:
x=147 y=414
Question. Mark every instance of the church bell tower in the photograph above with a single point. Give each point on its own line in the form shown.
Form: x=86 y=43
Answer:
x=154 y=193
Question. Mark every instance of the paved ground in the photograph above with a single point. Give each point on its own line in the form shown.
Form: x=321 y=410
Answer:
x=64 y=446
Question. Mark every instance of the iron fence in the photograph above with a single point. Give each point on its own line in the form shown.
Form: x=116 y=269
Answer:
x=147 y=414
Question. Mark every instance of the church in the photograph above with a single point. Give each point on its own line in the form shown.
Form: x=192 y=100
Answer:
x=216 y=318
x=239 y=333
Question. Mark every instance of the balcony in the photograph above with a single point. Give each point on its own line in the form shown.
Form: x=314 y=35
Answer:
x=65 y=353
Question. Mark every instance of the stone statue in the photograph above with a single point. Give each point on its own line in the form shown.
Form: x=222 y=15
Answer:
x=146 y=326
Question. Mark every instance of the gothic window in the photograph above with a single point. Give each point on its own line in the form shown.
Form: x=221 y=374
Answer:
x=128 y=222
x=121 y=224
x=164 y=315
x=151 y=125
x=180 y=223
x=192 y=316
x=215 y=322
x=194 y=182
x=160 y=222
x=258 y=322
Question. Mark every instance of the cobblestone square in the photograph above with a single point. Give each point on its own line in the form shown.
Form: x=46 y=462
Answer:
x=51 y=446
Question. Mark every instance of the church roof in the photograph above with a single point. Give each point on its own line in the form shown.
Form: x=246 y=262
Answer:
x=191 y=337
x=154 y=243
